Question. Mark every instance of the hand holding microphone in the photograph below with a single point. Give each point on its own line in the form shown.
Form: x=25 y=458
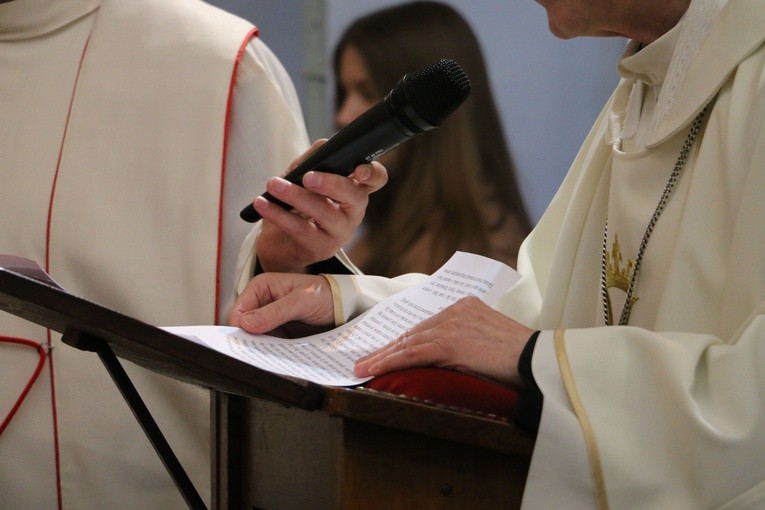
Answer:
x=418 y=103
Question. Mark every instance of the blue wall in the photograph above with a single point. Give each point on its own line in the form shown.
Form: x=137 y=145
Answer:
x=549 y=91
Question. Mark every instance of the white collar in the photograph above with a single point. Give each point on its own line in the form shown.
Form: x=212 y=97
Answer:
x=693 y=28
x=663 y=65
x=25 y=19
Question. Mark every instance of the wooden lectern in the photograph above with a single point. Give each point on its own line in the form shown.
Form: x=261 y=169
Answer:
x=367 y=450
x=287 y=443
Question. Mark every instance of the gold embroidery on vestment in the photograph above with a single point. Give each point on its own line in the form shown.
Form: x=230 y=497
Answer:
x=618 y=276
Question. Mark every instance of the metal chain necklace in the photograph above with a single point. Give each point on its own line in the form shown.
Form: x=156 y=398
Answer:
x=668 y=188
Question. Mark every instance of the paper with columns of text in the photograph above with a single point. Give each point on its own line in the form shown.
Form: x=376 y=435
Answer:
x=327 y=358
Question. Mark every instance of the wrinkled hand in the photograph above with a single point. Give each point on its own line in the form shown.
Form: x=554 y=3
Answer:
x=326 y=212
x=273 y=299
x=469 y=336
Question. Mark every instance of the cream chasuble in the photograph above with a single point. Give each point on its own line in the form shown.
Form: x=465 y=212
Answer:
x=666 y=412
x=668 y=408
x=113 y=117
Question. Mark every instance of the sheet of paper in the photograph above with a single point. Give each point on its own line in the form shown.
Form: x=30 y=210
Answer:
x=27 y=267
x=328 y=358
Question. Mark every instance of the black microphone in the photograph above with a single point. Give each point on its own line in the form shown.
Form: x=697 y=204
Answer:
x=418 y=103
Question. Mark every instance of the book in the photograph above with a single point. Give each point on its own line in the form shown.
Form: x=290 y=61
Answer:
x=328 y=358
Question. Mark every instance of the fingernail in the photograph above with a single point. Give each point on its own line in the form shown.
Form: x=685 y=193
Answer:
x=278 y=184
x=366 y=172
x=312 y=180
x=250 y=321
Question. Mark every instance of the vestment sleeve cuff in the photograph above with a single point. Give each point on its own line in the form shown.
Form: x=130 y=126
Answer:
x=337 y=299
x=528 y=409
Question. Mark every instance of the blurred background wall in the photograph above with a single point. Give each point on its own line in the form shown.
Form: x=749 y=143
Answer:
x=549 y=91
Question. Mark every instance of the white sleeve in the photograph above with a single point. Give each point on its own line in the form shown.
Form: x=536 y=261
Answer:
x=361 y=292
x=266 y=132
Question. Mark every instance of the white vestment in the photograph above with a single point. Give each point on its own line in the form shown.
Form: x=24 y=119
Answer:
x=131 y=134
x=668 y=411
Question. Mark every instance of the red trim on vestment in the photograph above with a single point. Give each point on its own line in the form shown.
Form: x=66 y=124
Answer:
x=252 y=33
x=47 y=270
x=35 y=375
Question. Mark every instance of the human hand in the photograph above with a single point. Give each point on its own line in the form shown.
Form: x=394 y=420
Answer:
x=327 y=209
x=271 y=300
x=468 y=336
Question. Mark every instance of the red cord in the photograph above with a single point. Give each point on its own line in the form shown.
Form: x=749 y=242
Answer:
x=40 y=363
x=47 y=270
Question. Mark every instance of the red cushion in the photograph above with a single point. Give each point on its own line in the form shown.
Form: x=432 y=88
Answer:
x=449 y=388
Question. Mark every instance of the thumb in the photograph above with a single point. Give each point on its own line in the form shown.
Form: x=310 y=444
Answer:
x=310 y=303
x=266 y=318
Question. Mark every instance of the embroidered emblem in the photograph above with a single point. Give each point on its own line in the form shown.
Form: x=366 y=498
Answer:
x=618 y=276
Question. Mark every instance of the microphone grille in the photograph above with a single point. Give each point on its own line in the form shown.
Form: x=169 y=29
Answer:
x=437 y=90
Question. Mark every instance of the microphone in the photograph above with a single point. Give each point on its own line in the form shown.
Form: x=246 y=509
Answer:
x=418 y=103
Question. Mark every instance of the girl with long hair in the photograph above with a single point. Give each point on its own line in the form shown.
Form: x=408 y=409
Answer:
x=449 y=189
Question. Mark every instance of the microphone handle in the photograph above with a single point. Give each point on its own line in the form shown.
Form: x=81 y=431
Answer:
x=369 y=136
